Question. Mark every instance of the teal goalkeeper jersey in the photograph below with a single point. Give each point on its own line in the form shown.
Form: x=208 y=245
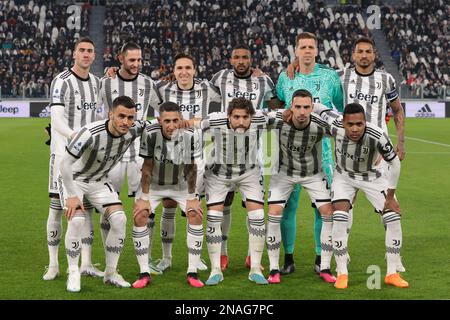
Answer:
x=323 y=83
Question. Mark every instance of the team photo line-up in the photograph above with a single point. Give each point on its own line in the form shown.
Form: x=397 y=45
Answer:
x=207 y=142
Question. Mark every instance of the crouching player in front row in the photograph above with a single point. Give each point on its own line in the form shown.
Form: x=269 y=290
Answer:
x=91 y=154
x=300 y=162
x=169 y=171
x=234 y=164
x=358 y=144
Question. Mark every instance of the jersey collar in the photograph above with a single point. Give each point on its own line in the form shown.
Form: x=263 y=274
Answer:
x=364 y=75
x=78 y=77
x=123 y=79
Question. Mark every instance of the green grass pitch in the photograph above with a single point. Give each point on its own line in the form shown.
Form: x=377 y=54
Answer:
x=423 y=193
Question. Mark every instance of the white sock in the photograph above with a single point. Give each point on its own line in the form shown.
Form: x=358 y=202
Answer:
x=393 y=240
x=350 y=220
x=248 y=224
x=168 y=231
x=73 y=241
x=150 y=228
x=54 y=230
x=257 y=236
x=326 y=242
x=340 y=240
x=87 y=238
x=226 y=224
x=115 y=239
x=141 y=244
x=214 y=238
x=104 y=229
x=194 y=240
x=274 y=240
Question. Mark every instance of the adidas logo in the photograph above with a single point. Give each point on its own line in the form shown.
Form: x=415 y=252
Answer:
x=115 y=92
x=45 y=113
x=76 y=92
x=425 y=112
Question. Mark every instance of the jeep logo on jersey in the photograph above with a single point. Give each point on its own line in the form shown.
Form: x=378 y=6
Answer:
x=163 y=160
x=87 y=105
x=301 y=148
x=364 y=97
x=350 y=156
x=113 y=158
x=194 y=108
x=238 y=94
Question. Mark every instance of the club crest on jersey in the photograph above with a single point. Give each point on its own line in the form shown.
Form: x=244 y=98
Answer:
x=255 y=85
x=198 y=94
x=317 y=84
x=141 y=92
x=378 y=84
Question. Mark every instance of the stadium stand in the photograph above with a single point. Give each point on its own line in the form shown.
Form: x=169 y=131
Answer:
x=36 y=44
x=419 y=36
x=209 y=29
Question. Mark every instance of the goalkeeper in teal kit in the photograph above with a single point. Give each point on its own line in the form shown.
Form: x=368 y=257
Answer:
x=325 y=86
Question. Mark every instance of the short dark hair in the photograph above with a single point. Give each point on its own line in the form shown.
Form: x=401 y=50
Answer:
x=241 y=46
x=241 y=103
x=302 y=93
x=125 y=101
x=363 y=40
x=305 y=35
x=185 y=56
x=169 y=106
x=353 y=108
x=84 y=39
x=129 y=46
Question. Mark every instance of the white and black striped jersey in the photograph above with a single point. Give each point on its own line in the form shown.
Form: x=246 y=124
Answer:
x=300 y=150
x=372 y=91
x=196 y=102
x=169 y=155
x=98 y=150
x=258 y=90
x=357 y=159
x=142 y=89
x=232 y=153
x=79 y=97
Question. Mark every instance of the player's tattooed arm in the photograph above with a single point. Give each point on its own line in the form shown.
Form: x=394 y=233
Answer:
x=143 y=203
x=399 y=119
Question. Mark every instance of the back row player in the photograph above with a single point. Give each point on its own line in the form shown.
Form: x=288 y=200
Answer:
x=73 y=104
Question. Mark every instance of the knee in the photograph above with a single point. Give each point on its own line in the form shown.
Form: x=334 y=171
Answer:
x=195 y=218
x=140 y=220
x=77 y=223
x=117 y=220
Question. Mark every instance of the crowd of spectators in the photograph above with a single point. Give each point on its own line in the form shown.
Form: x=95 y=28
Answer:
x=209 y=29
x=35 y=45
x=419 y=36
x=36 y=42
